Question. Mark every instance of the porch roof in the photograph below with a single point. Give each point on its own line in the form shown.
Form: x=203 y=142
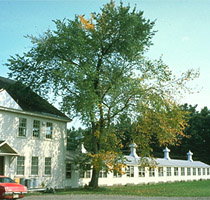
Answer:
x=7 y=150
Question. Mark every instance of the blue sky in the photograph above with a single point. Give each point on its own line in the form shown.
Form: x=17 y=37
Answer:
x=183 y=37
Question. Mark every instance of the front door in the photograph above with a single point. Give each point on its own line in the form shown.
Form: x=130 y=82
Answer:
x=1 y=165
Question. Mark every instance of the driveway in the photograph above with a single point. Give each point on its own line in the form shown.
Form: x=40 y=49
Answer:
x=108 y=197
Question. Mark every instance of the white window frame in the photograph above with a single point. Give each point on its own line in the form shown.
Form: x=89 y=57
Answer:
x=189 y=171
x=194 y=171
x=68 y=170
x=168 y=171
x=20 y=165
x=34 y=165
x=49 y=130
x=36 y=129
x=208 y=171
x=204 y=171
x=176 y=171
x=141 y=171
x=103 y=173
x=85 y=171
x=48 y=166
x=22 y=128
x=151 y=172
x=199 y=171
x=182 y=171
x=129 y=171
x=160 y=171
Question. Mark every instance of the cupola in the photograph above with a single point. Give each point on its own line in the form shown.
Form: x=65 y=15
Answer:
x=166 y=153
x=81 y=146
x=133 y=150
x=189 y=156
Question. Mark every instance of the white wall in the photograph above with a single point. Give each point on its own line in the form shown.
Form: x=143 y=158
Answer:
x=110 y=180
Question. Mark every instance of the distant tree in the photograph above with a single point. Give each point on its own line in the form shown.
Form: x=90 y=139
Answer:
x=98 y=68
x=72 y=138
x=198 y=132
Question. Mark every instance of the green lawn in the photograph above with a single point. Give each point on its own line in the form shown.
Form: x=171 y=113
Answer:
x=178 y=189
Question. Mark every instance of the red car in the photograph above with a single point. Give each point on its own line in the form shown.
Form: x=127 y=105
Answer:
x=9 y=189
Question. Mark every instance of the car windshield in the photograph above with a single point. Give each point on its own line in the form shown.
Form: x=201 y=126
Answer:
x=6 y=180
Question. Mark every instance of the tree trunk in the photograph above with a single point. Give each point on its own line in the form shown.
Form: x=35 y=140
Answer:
x=94 y=179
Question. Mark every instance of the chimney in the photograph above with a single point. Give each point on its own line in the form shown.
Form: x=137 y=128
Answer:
x=189 y=155
x=133 y=150
x=166 y=153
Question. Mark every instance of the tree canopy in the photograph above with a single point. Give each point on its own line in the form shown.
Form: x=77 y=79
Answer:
x=98 y=68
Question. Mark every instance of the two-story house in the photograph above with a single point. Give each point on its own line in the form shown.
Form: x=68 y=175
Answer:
x=32 y=137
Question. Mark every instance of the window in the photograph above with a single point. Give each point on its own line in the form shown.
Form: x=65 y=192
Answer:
x=36 y=128
x=182 y=171
x=68 y=171
x=176 y=171
x=47 y=169
x=204 y=171
x=49 y=130
x=199 y=171
x=168 y=170
x=188 y=171
x=117 y=174
x=141 y=171
x=85 y=171
x=34 y=166
x=103 y=173
x=160 y=171
x=130 y=171
x=22 y=127
x=151 y=172
x=194 y=171
x=20 y=165
x=207 y=171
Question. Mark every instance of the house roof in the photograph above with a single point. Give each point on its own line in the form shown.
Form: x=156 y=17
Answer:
x=28 y=100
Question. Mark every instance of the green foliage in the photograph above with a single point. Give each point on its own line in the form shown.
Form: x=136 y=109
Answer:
x=72 y=142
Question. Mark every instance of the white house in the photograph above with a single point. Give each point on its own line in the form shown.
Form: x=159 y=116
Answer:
x=32 y=137
x=33 y=148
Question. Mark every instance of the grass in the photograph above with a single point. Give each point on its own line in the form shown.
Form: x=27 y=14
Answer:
x=178 y=189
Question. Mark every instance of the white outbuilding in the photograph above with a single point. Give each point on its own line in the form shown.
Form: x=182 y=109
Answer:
x=156 y=170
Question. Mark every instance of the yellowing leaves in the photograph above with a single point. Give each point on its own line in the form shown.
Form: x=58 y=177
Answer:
x=166 y=123
x=109 y=159
x=97 y=134
x=88 y=25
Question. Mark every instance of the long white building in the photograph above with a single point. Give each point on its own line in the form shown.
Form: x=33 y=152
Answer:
x=33 y=151
x=161 y=170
